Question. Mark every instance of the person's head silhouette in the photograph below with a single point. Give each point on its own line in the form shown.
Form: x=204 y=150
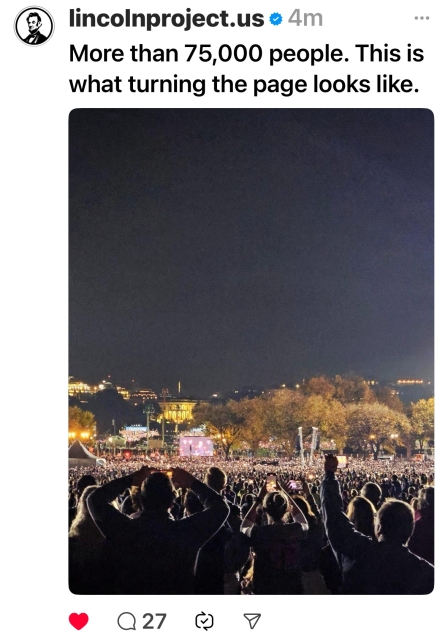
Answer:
x=34 y=24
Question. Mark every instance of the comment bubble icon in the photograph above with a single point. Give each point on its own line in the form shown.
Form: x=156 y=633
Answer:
x=126 y=621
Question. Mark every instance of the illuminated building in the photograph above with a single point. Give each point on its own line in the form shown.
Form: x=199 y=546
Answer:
x=75 y=387
x=178 y=410
x=105 y=384
x=142 y=395
x=412 y=389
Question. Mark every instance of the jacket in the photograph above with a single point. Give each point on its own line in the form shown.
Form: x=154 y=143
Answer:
x=369 y=566
x=154 y=553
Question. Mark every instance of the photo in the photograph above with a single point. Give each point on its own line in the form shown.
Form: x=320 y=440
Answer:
x=251 y=351
x=34 y=26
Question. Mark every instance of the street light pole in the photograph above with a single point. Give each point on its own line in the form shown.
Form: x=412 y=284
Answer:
x=302 y=456
x=147 y=432
x=149 y=410
x=394 y=437
x=164 y=392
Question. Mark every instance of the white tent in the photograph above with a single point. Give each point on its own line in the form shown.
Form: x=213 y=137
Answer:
x=78 y=456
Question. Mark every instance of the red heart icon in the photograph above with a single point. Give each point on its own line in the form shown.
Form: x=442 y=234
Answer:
x=78 y=620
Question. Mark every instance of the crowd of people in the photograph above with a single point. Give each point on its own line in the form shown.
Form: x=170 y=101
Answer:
x=187 y=526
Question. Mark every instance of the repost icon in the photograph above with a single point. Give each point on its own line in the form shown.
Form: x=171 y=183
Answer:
x=252 y=618
x=126 y=621
x=204 y=620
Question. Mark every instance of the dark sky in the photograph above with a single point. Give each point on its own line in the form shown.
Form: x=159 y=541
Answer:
x=237 y=247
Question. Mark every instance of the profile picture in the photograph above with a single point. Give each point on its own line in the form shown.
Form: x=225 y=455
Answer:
x=34 y=26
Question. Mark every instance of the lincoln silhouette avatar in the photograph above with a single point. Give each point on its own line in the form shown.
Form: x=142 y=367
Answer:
x=34 y=24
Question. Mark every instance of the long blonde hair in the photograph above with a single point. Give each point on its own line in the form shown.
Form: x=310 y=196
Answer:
x=83 y=526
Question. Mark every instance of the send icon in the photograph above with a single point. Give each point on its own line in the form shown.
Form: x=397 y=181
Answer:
x=252 y=619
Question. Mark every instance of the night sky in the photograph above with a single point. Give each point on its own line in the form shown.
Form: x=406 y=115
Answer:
x=234 y=247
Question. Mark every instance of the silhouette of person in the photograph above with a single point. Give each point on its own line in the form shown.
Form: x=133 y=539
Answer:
x=34 y=25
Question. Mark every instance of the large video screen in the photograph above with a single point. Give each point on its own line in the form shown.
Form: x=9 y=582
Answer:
x=196 y=446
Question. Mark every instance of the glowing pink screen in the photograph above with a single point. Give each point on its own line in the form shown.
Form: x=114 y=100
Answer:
x=196 y=446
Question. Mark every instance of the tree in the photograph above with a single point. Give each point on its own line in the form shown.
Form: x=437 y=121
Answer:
x=223 y=422
x=320 y=386
x=79 y=420
x=283 y=416
x=279 y=415
x=422 y=421
x=108 y=405
x=389 y=398
x=253 y=412
x=328 y=415
x=353 y=390
x=372 y=426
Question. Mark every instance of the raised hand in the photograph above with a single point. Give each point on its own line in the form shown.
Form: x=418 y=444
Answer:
x=306 y=488
x=284 y=487
x=264 y=490
x=182 y=478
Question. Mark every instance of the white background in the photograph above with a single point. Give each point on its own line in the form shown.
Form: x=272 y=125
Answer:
x=36 y=104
